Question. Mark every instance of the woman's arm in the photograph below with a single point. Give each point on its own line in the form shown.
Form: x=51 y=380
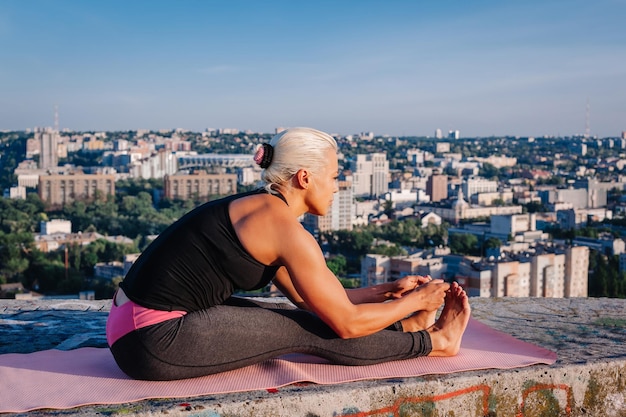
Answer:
x=272 y=234
x=386 y=291
x=374 y=294
x=284 y=284
x=323 y=293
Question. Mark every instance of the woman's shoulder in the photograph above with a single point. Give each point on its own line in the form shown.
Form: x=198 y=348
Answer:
x=258 y=206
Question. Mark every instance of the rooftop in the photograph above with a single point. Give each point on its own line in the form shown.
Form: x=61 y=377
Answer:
x=588 y=379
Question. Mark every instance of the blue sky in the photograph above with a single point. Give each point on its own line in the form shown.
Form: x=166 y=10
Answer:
x=524 y=68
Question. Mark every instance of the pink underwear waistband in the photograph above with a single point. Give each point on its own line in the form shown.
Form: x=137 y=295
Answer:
x=131 y=316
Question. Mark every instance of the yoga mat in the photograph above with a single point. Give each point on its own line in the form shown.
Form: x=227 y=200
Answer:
x=65 y=379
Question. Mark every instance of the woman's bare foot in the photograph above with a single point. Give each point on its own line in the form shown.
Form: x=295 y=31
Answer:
x=420 y=320
x=447 y=332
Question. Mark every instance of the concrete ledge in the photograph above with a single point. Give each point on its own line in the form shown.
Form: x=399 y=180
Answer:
x=589 y=378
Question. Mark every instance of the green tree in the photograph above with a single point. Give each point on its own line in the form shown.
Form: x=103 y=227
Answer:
x=388 y=208
x=489 y=171
x=338 y=264
x=492 y=242
x=13 y=254
x=464 y=243
x=388 y=250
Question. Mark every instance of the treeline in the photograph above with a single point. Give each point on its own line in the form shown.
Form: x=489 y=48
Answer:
x=605 y=277
x=131 y=213
x=394 y=238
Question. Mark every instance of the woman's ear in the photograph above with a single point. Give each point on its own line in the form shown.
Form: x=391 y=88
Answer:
x=303 y=178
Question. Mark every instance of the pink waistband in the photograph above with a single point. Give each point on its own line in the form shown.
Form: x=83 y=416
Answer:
x=131 y=316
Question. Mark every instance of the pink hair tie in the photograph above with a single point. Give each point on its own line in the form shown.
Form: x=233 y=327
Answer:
x=263 y=155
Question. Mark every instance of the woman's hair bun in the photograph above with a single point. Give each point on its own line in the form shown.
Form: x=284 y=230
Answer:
x=263 y=155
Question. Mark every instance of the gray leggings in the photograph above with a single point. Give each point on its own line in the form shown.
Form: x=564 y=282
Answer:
x=242 y=332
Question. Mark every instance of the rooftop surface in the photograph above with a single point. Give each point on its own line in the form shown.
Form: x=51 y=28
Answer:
x=588 y=379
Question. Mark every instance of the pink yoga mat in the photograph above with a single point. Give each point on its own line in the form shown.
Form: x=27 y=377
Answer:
x=65 y=379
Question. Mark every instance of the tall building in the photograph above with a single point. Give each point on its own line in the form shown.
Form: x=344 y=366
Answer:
x=477 y=185
x=48 y=139
x=370 y=175
x=576 y=271
x=552 y=275
x=437 y=187
x=199 y=185
x=438 y=134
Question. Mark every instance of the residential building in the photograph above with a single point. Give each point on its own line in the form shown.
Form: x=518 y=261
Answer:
x=370 y=175
x=477 y=185
x=577 y=218
x=606 y=244
x=55 y=226
x=58 y=190
x=48 y=157
x=577 y=197
x=375 y=269
x=156 y=165
x=199 y=185
x=512 y=224
x=552 y=274
x=459 y=210
x=437 y=187
x=17 y=193
x=576 y=271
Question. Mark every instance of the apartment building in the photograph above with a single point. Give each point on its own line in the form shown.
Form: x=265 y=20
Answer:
x=199 y=185
x=551 y=274
x=437 y=187
x=370 y=175
x=60 y=189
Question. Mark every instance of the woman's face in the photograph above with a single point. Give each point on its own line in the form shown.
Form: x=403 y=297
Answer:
x=324 y=186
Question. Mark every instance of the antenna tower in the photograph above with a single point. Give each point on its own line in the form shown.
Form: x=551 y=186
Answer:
x=56 y=118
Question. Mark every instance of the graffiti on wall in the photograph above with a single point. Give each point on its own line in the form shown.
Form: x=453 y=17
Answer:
x=536 y=399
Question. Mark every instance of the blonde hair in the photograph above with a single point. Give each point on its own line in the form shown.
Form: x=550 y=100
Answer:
x=294 y=149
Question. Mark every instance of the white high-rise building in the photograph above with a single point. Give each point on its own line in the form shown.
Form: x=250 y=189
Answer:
x=550 y=275
x=478 y=185
x=370 y=175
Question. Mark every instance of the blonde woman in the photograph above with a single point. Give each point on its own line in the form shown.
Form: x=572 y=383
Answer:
x=175 y=316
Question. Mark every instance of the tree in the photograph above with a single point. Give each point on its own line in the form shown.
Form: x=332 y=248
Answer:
x=13 y=250
x=388 y=250
x=388 y=208
x=351 y=244
x=338 y=264
x=489 y=171
x=492 y=242
x=464 y=243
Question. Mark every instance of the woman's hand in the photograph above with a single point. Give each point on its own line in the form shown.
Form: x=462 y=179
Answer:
x=432 y=294
x=405 y=285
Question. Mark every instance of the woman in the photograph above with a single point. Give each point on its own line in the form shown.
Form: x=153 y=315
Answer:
x=174 y=315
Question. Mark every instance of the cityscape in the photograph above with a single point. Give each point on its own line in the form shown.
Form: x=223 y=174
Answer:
x=478 y=142
x=503 y=216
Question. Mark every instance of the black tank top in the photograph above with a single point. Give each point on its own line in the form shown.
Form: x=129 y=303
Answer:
x=196 y=263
